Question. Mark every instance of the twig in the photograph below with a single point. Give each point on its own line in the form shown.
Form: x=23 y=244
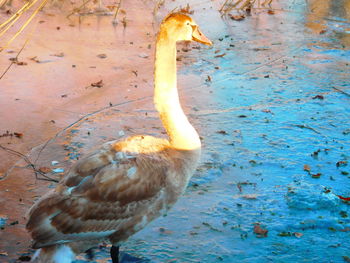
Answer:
x=303 y=126
x=31 y=165
x=116 y=12
x=83 y=118
x=14 y=60
x=9 y=22
x=222 y=7
x=341 y=91
x=157 y=6
x=78 y=9
x=25 y=24
x=18 y=13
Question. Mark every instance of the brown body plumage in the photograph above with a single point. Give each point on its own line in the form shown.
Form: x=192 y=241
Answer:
x=115 y=191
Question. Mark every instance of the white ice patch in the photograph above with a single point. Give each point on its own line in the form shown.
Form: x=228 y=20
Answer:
x=63 y=254
x=132 y=172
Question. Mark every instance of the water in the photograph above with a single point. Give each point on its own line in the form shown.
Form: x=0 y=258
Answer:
x=274 y=121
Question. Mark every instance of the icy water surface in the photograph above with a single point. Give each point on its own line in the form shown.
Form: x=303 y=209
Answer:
x=274 y=118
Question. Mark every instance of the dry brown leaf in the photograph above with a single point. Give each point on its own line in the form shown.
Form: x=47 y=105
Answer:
x=260 y=232
x=18 y=134
x=307 y=168
x=220 y=56
x=45 y=170
x=236 y=17
x=250 y=196
x=318 y=175
x=98 y=84
x=298 y=235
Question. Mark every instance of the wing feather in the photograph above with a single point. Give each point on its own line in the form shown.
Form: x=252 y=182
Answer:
x=102 y=194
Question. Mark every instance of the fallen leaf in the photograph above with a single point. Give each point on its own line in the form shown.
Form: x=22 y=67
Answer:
x=164 y=231
x=284 y=234
x=18 y=134
x=187 y=10
x=60 y=55
x=98 y=84
x=21 y=63
x=344 y=198
x=320 y=97
x=143 y=55
x=111 y=7
x=260 y=232
x=237 y=17
x=346 y=258
x=222 y=132
x=14 y=223
x=271 y=12
x=101 y=55
x=298 y=234
x=307 y=168
x=25 y=258
x=45 y=170
x=250 y=196
x=260 y=49
x=220 y=56
x=341 y=163
x=318 y=175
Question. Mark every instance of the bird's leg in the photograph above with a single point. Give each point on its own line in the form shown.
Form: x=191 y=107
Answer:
x=115 y=254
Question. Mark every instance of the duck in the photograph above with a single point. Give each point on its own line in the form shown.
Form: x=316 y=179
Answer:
x=115 y=191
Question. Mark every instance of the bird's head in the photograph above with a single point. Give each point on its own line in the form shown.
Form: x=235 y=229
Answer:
x=179 y=26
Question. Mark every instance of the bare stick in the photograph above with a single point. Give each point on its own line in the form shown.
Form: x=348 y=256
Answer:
x=78 y=9
x=116 y=11
x=18 y=13
x=25 y=24
x=341 y=91
x=25 y=158
x=16 y=58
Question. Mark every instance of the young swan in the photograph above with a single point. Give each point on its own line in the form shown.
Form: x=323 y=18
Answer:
x=117 y=190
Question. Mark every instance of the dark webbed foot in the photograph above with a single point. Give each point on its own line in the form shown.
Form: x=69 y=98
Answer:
x=115 y=254
x=90 y=254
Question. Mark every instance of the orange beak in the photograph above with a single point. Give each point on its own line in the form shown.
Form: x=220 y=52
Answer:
x=198 y=36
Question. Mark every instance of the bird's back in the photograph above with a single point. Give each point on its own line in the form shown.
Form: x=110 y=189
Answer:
x=112 y=193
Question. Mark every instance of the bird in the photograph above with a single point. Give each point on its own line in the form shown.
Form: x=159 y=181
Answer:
x=116 y=190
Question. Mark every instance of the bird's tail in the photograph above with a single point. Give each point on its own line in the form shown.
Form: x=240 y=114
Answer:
x=54 y=254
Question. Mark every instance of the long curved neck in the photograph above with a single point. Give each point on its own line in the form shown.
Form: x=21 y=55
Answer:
x=181 y=133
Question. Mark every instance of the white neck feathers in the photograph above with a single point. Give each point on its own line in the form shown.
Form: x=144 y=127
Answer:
x=181 y=133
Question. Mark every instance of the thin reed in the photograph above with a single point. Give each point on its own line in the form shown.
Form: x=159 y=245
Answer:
x=243 y=5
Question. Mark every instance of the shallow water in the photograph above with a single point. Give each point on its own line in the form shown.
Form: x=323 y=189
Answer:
x=278 y=101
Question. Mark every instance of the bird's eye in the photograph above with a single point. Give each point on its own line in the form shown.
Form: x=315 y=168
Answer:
x=188 y=23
